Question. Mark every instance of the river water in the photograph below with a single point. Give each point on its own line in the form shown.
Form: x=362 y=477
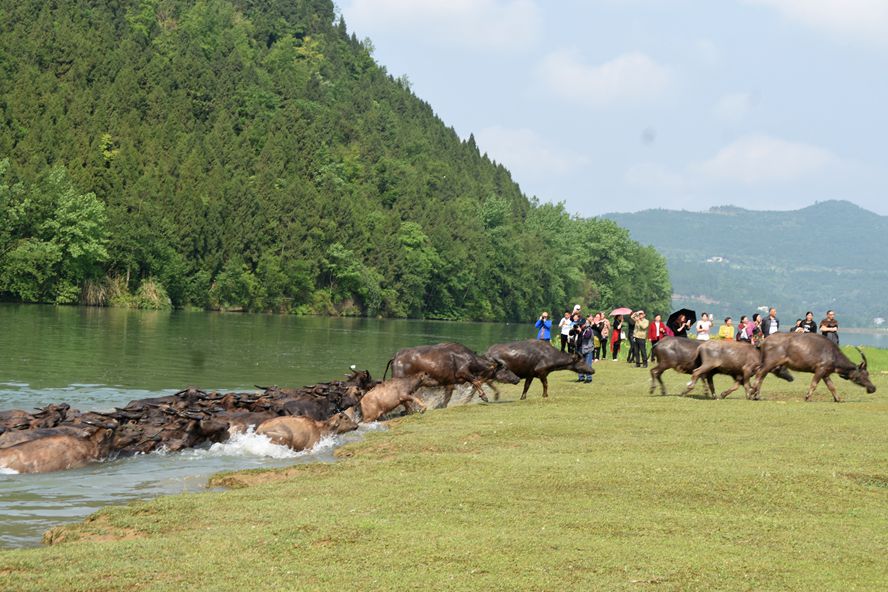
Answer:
x=95 y=359
x=98 y=358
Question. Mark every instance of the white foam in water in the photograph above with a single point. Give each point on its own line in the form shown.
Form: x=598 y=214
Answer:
x=5 y=471
x=247 y=443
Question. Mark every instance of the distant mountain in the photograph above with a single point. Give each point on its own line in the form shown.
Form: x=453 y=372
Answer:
x=731 y=261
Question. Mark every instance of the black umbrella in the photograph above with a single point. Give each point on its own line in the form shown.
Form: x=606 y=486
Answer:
x=690 y=315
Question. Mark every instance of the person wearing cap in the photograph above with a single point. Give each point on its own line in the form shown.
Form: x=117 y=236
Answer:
x=640 y=337
x=544 y=327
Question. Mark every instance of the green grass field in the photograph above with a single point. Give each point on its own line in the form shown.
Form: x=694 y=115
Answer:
x=600 y=487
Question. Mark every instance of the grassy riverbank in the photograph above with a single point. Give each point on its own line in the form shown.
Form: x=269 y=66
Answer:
x=600 y=487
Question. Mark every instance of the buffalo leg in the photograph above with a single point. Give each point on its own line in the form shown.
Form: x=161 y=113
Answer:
x=693 y=382
x=704 y=371
x=733 y=387
x=813 y=387
x=832 y=389
x=526 y=387
x=655 y=376
x=545 y=382
x=448 y=392
x=477 y=385
x=417 y=404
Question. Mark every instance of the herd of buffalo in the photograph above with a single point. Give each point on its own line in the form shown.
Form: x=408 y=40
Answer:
x=59 y=437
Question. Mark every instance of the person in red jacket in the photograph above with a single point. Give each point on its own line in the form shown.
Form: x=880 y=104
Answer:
x=657 y=331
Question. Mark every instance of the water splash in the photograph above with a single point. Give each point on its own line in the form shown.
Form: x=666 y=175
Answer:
x=245 y=444
x=5 y=471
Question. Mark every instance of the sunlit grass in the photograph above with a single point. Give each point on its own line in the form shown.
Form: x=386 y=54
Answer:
x=599 y=487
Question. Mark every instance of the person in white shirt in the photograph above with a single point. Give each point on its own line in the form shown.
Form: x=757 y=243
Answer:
x=703 y=327
x=565 y=324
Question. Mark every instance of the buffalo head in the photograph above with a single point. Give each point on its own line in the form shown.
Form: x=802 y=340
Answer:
x=341 y=423
x=860 y=375
x=503 y=374
x=578 y=364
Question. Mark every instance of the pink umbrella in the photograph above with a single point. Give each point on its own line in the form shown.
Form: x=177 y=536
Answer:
x=621 y=311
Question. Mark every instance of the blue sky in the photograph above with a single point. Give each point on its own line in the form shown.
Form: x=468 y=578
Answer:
x=622 y=105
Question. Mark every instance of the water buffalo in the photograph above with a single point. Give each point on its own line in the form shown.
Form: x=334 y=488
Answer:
x=679 y=354
x=809 y=352
x=391 y=393
x=737 y=359
x=449 y=364
x=533 y=358
x=47 y=417
x=42 y=450
x=300 y=433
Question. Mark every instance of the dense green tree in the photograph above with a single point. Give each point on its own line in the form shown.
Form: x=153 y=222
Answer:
x=253 y=155
x=53 y=240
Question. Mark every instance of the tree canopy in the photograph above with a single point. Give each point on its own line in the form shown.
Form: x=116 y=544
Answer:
x=253 y=155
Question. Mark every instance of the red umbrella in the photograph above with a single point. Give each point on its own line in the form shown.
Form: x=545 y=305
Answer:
x=621 y=311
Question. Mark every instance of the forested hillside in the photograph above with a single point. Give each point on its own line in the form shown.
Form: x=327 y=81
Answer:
x=244 y=154
x=829 y=255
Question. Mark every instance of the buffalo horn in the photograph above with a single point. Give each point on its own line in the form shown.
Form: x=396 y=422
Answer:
x=862 y=355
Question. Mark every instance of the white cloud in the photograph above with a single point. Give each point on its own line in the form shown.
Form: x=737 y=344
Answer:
x=525 y=152
x=477 y=24
x=629 y=77
x=854 y=19
x=734 y=107
x=761 y=158
x=756 y=159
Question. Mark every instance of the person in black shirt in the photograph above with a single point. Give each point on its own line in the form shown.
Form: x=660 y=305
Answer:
x=808 y=325
x=680 y=326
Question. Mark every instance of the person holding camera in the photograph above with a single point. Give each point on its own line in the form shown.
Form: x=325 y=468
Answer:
x=544 y=327
x=640 y=335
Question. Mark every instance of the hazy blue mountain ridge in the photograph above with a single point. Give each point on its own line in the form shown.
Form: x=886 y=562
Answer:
x=731 y=261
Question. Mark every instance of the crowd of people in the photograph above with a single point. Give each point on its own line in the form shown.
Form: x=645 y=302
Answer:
x=593 y=336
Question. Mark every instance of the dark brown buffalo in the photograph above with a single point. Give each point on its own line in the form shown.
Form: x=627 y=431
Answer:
x=533 y=358
x=47 y=417
x=809 y=352
x=734 y=358
x=42 y=450
x=679 y=354
x=449 y=364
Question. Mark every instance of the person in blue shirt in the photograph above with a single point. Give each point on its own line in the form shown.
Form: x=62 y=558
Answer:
x=544 y=327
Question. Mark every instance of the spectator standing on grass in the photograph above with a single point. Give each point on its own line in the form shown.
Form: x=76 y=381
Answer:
x=587 y=348
x=808 y=324
x=680 y=326
x=544 y=327
x=616 y=336
x=604 y=330
x=656 y=331
x=829 y=327
x=573 y=338
x=771 y=324
x=744 y=330
x=755 y=333
x=726 y=331
x=640 y=337
x=703 y=327
x=565 y=324
x=630 y=334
